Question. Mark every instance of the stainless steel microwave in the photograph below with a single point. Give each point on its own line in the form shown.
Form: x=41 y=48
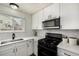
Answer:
x=52 y=23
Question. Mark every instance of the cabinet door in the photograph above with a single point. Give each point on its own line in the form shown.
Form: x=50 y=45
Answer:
x=47 y=13
x=59 y=52
x=36 y=47
x=30 y=46
x=34 y=21
x=69 y=16
x=51 y=11
x=37 y=20
x=55 y=10
x=40 y=19
x=21 y=49
x=63 y=52
x=7 y=50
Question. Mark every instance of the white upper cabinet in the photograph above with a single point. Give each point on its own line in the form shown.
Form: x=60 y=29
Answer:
x=40 y=19
x=34 y=21
x=55 y=10
x=51 y=11
x=37 y=20
x=69 y=15
x=47 y=13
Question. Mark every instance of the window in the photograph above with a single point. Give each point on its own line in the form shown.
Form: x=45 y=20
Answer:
x=11 y=23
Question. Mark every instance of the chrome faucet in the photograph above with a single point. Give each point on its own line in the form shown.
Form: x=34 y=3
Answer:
x=13 y=36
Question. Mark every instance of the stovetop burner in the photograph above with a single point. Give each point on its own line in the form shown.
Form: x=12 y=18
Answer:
x=51 y=40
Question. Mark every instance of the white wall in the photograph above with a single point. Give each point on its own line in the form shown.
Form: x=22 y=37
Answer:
x=28 y=30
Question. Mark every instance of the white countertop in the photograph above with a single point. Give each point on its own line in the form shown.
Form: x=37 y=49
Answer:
x=74 y=49
x=24 y=38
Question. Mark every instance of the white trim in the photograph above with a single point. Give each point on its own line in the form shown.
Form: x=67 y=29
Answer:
x=50 y=27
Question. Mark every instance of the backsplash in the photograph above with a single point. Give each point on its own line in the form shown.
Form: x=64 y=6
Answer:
x=69 y=33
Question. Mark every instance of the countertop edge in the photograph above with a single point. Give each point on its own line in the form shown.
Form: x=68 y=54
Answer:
x=24 y=39
x=73 y=49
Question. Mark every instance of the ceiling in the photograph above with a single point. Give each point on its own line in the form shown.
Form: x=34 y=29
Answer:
x=29 y=7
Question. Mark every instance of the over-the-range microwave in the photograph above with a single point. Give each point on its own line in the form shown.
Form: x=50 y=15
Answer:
x=51 y=24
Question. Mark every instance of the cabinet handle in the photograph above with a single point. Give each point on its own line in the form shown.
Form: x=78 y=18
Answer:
x=13 y=50
x=67 y=54
x=27 y=45
x=16 y=49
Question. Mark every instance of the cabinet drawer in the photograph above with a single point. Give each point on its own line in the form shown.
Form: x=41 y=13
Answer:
x=8 y=51
x=7 y=47
x=21 y=43
x=62 y=52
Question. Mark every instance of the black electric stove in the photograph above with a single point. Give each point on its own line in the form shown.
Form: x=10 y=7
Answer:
x=48 y=45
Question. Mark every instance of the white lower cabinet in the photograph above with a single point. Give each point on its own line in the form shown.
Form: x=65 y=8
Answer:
x=21 y=49
x=36 y=47
x=7 y=50
x=24 y=48
x=63 y=52
x=30 y=46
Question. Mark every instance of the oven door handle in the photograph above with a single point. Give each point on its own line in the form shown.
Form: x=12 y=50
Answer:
x=67 y=54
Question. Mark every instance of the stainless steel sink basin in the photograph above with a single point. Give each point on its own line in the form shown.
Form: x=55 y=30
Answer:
x=3 y=42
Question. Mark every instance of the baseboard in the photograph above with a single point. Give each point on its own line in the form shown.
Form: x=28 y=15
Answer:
x=32 y=54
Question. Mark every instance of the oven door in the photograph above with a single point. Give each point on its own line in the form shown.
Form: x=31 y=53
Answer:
x=44 y=51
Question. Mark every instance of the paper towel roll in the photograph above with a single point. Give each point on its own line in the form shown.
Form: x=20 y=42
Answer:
x=65 y=40
x=72 y=41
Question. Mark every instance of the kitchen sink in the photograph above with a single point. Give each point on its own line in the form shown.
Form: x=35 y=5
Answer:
x=3 y=42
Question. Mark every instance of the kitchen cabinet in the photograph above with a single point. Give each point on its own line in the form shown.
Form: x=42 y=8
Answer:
x=51 y=12
x=7 y=50
x=37 y=20
x=40 y=19
x=30 y=46
x=36 y=47
x=69 y=13
x=63 y=52
x=47 y=13
x=17 y=49
x=22 y=48
x=34 y=21
x=55 y=8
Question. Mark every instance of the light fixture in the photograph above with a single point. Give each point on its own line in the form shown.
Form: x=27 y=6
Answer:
x=14 y=6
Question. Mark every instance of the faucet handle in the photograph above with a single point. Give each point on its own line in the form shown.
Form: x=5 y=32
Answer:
x=13 y=36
